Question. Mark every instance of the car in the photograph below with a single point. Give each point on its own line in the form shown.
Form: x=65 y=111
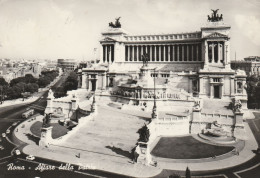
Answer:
x=1 y=147
x=7 y=131
x=0 y=139
x=17 y=152
x=14 y=124
x=30 y=157
x=3 y=134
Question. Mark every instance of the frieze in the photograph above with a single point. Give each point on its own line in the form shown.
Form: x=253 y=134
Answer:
x=108 y=39
x=216 y=35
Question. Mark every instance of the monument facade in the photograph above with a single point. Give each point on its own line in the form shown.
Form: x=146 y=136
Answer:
x=196 y=62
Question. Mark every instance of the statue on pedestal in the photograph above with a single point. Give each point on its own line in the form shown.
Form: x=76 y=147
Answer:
x=144 y=134
x=46 y=120
x=145 y=59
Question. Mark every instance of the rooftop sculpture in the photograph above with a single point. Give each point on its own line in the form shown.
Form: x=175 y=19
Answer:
x=215 y=17
x=116 y=25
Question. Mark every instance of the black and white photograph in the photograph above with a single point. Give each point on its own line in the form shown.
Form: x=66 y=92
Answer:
x=129 y=88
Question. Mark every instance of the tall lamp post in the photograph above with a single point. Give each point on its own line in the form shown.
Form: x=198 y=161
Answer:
x=154 y=113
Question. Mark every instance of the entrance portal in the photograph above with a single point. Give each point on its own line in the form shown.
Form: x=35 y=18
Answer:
x=93 y=82
x=216 y=91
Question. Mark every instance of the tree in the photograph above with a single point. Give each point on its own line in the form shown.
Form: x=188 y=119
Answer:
x=3 y=82
x=30 y=79
x=14 y=92
x=71 y=82
x=43 y=82
x=31 y=87
x=253 y=91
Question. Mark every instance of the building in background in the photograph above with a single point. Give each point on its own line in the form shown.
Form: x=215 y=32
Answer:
x=67 y=64
x=251 y=65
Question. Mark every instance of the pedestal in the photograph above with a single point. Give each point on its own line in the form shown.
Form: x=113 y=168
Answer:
x=143 y=152
x=46 y=137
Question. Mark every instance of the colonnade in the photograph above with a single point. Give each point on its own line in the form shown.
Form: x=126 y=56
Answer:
x=164 y=53
x=216 y=52
x=108 y=53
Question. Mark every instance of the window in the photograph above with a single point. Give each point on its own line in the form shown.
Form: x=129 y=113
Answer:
x=216 y=79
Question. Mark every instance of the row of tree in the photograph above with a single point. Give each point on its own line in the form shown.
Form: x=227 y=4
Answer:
x=71 y=83
x=24 y=86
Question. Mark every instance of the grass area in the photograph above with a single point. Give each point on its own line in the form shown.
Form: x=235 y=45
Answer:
x=57 y=130
x=186 y=148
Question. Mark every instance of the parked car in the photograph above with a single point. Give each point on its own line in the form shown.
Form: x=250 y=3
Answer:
x=1 y=147
x=7 y=131
x=3 y=134
x=30 y=157
x=14 y=124
x=17 y=152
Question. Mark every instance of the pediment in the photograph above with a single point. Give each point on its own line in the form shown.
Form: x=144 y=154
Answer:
x=108 y=39
x=216 y=35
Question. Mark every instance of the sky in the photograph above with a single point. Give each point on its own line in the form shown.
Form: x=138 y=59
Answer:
x=71 y=29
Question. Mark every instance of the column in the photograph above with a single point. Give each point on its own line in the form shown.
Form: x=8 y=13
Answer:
x=201 y=89
x=146 y=49
x=235 y=85
x=178 y=53
x=89 y=85
x=110 y=53
x=133 y=53
x=159 y=53
x=173 y=54
x=142 y=51
x=182 y=52
x=169 y=52
x=155 y=57
x=164 y=52
x=206 y=53
x=219 y=53
x=213 y=55
x=128 y=53
x=104 y=81
x=211 y=91
x=243 y=88
x=84 y=84
x=137 y=53
x=151 y=53
x=105 y=53
x=192 y=53
x=188 y=56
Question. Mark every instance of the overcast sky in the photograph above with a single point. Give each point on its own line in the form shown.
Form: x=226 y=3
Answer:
x=52 y=29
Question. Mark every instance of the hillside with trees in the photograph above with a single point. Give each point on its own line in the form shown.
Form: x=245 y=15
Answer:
x=25 y=86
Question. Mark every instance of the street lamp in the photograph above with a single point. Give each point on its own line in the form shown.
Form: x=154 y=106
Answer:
x=154 y=113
